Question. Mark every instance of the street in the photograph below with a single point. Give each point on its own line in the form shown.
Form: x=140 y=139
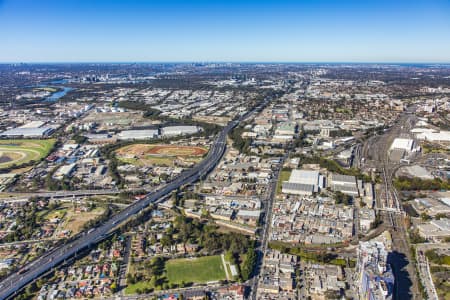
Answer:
x=33 y=270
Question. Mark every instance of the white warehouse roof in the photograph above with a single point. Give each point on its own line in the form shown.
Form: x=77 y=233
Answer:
x=403 y=144
x=297 y=188
x=443 y=136
x=177 y=130
x=343 y=179
x=305 y=177
x=28 y=132
x=138 y=134
x=249 y=213
x=33 y=124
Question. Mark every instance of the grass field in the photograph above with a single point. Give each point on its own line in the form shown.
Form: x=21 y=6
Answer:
x=47 y=215
x=284 y=176
x=430 y=148
x=141 y=285
x=18 y=152
x=57 y=213
x=198 y=270
x=138 y=268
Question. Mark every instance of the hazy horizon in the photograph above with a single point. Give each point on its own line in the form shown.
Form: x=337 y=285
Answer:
x=325 y=31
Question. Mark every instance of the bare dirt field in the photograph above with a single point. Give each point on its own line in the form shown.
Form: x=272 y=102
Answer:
x=147 y=154
x=75 y=220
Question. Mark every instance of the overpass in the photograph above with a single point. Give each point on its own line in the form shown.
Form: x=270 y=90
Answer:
x=40 y=266
x=24 y=197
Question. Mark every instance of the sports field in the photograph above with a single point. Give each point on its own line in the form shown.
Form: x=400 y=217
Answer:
x=198 y=270
x=146 y=154
x=18 y=152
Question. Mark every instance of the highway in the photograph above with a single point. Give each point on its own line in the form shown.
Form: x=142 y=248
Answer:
x=16 y=281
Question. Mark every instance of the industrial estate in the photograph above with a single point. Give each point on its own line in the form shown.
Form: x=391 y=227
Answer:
x=224 y=181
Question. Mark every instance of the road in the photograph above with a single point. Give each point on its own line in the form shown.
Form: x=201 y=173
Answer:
x=34 y=241
x=264 y=235
x=24 y=197
x=16 y=281
x=210 y=288
x=124 y=264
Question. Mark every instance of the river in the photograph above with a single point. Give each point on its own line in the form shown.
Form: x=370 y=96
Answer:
x=57 y=95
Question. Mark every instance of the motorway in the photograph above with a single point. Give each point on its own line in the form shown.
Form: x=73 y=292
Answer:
x=16 y=281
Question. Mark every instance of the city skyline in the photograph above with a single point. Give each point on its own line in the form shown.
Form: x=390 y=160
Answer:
x=225 y=31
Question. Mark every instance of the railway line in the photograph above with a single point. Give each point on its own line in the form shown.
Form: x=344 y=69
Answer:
x=376 y=151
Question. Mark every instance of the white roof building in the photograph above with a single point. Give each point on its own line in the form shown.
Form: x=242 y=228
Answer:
x=344 y=183
x=418 y=130
x=33 y=124
x=436 y=229
x=302 y=182
x=297 y=188
x=282 y=138
x=419 y=171
x=137 y=134
x=403 y=144
x=178 y=130
x=28 y=132
x=65 y=170
x=443 y=136
x=342 y=179
x=249 y=213
x=305 y=177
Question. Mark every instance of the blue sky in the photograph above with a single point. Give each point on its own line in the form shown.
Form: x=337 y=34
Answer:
x=232 y=30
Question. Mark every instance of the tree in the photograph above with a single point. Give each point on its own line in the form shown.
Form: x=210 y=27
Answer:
x=131 y=279
x=332 y=294
x=158 y=266
x=166 y=241
x=340 y=198
x=79 y=139
x=416 y=238
x=425 y=217
x=247 y=268
x=378 y=221
x=440 y=216
x=113 y=287
x=32 y=288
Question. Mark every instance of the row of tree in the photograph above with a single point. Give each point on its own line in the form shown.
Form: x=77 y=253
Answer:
x=239 y=142
x=331 y=166
x=416 y=184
